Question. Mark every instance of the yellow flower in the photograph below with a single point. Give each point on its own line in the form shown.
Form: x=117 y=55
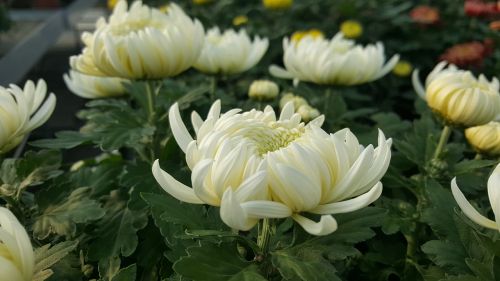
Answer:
x=112 y=4
x=458 y=96
x=257 y=165
x=201 y=2
x=17 y=259
x=351 y=29
x=297 y=36
x=140 y=42
x=230 y=52
x=263 y=90
x=337 y=61
x=485 y=138
x=21 y=111
x=277 y=4
x=240 y=20
x=402 y=68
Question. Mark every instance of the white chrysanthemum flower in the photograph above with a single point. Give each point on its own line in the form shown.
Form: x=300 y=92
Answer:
x=93 y=87
x=23 y=110
x=255 y=166
x=493 y=194
x=17 y=260
x=230 y=52
x=485 y=138
x=141 y=43
x=338 y=61
x=459 y=97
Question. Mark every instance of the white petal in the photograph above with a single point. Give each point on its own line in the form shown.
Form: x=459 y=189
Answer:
x=280 y=72
x=174 y=187
x=196 y=121
x=287 y=111
x=9 y=272
x=467 y=208
x=266 y=209
x=351 y=204
x=417 y=85
x=179 y=130
x=494 y=193
x=325 y=226
x=233 y=214
x=199 y=178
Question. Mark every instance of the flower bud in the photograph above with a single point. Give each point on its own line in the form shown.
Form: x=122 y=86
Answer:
x=263 y=90
x=351 y=29
x=307 y=112
x=297 y=100
x=402 y=68
x=240 y=20
x=277 y=4
x=486 y=138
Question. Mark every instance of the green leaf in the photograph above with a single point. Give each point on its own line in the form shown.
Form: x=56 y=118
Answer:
x=46 y=257
x=419 y=145
x=211 y=262
x=446 y=254
x=63 y=217
x=63 y=140
x=468 y=166
x=354 y=227
x=126 y=274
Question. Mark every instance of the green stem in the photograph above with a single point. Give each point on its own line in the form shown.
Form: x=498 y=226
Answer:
x=328 y=96
x=149 y=92
x=445 y=135
x=213 y=87
x=478 y=156
x=264 y=236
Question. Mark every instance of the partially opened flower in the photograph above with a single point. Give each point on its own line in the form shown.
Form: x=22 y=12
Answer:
x=255 y=165
x=485 y=138
x=263 y=90
x=338 y=61
x=230 y=52
x=459 y=97
x=17 y=260
x=141 y=43
x=23 y=110
x=93 y=87
x=494 y=196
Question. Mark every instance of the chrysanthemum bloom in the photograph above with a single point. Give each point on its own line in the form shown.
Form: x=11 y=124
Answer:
x=93 y=87
x=337 y=61
x=459 y=97
x=23 y=110
x=230 y=52
x=255 y=165
x=495 y=25
x=351 y=29
x=263 y=90
x=141 y=43
x=313 y=33
x=485 y=138
x=402 y=68
x=425 y=15
x=277 y=4
x=17 y=260
x=478 y=8
x=493 y=194
x=466 y=54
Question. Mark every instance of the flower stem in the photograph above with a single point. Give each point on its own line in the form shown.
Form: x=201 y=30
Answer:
x=445 y=135
x=328 y=96
x=478 y=156
x=150 y=95
x=213 y=88
x=264 y=236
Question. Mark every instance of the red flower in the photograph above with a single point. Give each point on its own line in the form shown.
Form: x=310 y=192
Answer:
x=478 y=8
x=425 y=15
x=468 y=54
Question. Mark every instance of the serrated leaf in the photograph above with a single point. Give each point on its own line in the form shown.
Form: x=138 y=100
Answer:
x=210 y=262
x=446 y=254
x=126 y=274
x=468 y=166
x=46 y=257
x=63 y=140
x=62 y=218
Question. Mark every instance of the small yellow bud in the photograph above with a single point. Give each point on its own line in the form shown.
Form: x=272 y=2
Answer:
x=263 y=90
x=277 y=4
x=201 y=2
x=402 y=68
x=307 y=112
x=486 y=138
x=240 y=20
x=289 y=97
x=351 y=29
x=163 y=9
x=112 y=4
x=301 y=34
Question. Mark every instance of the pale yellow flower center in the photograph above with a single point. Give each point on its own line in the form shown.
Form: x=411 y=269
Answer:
x=272 y=137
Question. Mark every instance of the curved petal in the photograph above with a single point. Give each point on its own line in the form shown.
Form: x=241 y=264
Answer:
x=287 y=111
x=179 y=130
x=417 y=85
x=280 y=72
x=494 y=193
x=351 y=204
x=467 y=208
x=232 y=213
x=9 y=271
x=174 y=187
x=325 y=226
x=266 y=209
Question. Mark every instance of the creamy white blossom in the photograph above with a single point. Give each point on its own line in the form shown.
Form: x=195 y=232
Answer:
x=494 y=196
x=458 y=96
x=93 y=87
x=256 y=165
x=263 y=90
x=485 y=138
x=17 y=260
x=338 y=61
x=141 y=43
x=230 y=52
x=23 y=110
